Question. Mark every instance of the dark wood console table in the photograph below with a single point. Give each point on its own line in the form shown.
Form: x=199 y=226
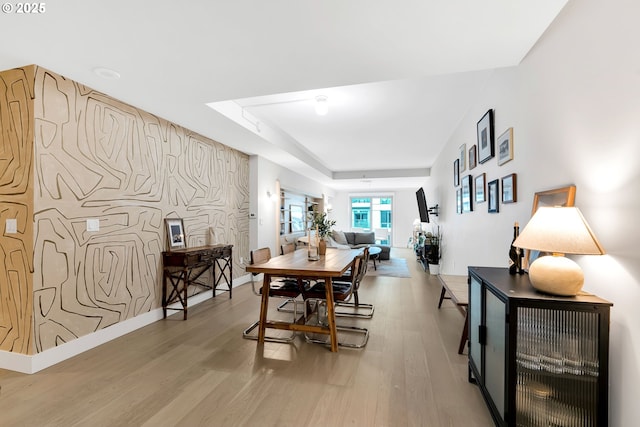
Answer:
x=184 y=267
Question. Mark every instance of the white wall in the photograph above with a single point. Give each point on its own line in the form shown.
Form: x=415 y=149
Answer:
x=574 y=104
x=267 y=176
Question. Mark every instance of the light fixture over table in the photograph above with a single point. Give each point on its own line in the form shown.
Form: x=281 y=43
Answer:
x=559 y=231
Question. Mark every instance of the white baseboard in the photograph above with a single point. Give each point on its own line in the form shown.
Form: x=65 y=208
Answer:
x=30 y=364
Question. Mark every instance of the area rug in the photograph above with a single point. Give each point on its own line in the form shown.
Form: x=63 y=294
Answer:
x=394 y=267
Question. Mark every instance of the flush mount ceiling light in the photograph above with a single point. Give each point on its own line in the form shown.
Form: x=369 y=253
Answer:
x=106 y=73
x=322 y=105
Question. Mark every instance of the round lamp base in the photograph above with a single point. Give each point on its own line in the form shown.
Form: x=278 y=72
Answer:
x=556 y=275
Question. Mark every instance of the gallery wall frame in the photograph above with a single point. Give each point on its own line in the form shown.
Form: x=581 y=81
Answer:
x=493 y=196
x=509 y=188
x=473 y=156
x=467 y=200
x=175 y=233
x=462 y=156
x=486 y=138
x=459 y=200
x=505 y=146
x=481 y=188
x=456 y=172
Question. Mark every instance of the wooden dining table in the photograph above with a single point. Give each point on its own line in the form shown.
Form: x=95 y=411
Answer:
x=296 y=264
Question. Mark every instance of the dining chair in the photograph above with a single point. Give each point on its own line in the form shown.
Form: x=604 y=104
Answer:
x=342 y=291
x=280 y=288
x=355 y=307
x=286 y=248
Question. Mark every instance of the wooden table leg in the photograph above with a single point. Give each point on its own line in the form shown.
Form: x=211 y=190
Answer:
x=331 y=315
x=264 y=307
x=165 y=277
x=185 y=294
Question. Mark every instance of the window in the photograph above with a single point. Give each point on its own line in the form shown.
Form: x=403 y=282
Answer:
x=371 y=212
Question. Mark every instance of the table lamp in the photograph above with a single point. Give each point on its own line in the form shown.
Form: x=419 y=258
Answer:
x=559 y=231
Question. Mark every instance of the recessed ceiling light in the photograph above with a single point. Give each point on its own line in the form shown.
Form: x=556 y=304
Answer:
x=106 y=73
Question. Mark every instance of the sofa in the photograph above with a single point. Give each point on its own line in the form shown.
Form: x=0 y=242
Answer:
x=357 y=239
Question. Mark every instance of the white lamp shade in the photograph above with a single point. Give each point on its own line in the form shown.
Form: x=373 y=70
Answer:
x=559 y=230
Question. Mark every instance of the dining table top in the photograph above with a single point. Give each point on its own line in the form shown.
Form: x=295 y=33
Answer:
x=333 y=264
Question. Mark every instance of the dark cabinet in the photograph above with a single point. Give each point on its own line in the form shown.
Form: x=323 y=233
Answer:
x=539 y=360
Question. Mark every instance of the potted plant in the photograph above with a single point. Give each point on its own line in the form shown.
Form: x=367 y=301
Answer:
x=322 y=225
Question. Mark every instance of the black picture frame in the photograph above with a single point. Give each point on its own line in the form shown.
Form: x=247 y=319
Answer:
x=456 y=172
x=509 y=188
x=481 y=188
x=467 y=199
x=493 y=194
x=486 y=137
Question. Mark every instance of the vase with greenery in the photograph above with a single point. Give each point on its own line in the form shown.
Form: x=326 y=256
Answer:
x=323 y=225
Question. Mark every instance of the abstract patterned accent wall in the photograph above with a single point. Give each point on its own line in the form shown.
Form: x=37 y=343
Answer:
x=16 y=202
x=98 y=158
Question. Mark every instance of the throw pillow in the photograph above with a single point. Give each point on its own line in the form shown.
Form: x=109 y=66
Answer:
x=365 y=238
x=339 y=237
x=351 y=237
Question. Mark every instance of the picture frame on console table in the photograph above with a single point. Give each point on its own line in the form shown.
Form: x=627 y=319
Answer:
x=562 y=196
x=486 y=138
x=175 y=233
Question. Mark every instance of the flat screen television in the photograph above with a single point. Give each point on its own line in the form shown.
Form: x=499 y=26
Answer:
x=422 y=205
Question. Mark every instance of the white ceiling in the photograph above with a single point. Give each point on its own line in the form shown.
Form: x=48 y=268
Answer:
x=399 y=74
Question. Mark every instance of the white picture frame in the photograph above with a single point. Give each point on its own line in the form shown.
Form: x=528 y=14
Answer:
x=505 y=147
x=176 y=238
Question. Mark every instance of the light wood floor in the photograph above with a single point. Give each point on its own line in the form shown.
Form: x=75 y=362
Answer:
x=200 y=372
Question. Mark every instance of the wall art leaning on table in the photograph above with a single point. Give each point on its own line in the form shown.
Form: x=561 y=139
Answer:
x=175 y=233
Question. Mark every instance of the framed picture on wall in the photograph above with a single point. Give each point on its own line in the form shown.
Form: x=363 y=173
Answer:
x=505 y=147
x=296 y=215
x=462 y=156
x=563 y=196
x=473 y=157
x=492 y=196
x=175 y=233
x=459 y=200
x=481 y=188
x=456 y=172
x=509 y=193
x=486 y=147
x=467 y=201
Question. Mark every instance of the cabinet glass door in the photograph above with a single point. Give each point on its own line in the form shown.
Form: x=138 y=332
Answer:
x=475 y=320
x=494 y=355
